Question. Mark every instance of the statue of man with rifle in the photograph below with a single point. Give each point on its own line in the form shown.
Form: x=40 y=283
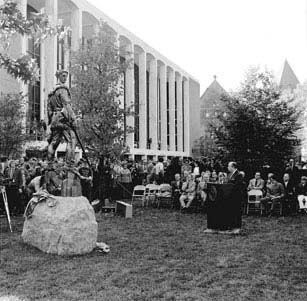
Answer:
x=61 y=119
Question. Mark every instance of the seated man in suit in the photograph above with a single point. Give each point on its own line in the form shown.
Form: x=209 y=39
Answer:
x=301 y=191
x=176 y=189
x=289 y=200
x=275 y=193
x=188 y=192
x=202 y=186
x=257 y=183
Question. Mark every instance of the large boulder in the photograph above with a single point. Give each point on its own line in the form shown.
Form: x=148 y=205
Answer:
x=62 y=225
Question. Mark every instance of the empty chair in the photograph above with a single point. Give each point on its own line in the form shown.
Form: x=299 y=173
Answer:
x=253 y=201
x=165 y=195
x=138 y=194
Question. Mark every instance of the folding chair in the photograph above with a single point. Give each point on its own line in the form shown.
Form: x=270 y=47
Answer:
x=165 y=195
x=253 y=201
x=151 y=191
x=138 y=194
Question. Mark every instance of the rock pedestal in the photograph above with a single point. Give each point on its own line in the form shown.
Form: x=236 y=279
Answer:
x=62 y=225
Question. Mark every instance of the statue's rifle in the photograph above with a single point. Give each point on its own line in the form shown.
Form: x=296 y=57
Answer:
x=79 y=141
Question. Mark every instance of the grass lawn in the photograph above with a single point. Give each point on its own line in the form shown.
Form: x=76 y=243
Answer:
x=164 y=255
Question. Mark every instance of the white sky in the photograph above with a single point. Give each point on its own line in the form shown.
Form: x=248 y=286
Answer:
x=219 y=37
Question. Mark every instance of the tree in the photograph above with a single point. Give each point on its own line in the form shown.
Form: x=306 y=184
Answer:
x=12 y=24
x=259 y=125
x=97 y=71
x=11 y=116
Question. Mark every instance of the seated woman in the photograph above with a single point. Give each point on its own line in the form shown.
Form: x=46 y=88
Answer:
x=202 y=186
x=188 y=192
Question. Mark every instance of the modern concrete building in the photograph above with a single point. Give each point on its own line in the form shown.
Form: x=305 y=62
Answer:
x=166 y=97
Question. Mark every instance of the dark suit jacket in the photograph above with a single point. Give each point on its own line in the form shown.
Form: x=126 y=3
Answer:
x=235 y=178
x=294 y=174
x=289 y=189
x=301 y=190
x=175 y=186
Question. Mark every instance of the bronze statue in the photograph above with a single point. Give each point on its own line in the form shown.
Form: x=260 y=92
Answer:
x=61 y=119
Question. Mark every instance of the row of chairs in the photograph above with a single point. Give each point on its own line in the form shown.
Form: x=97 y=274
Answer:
x=152 y=194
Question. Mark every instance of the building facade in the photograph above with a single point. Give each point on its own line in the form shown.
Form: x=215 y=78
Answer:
x=210 y=106
x=165 y=97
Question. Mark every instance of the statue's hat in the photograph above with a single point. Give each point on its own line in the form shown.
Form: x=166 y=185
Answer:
x=59 y=72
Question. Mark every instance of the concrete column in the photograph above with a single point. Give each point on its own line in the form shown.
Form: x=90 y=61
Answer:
x=179 y=112
x=18 y=48
x=186 y=116
x=171 y=88
x=142 y=95
x=50 y=48
x=76 y=25
x=153 y=118
x=43 y=83
x=163 y=79
x=130 y=93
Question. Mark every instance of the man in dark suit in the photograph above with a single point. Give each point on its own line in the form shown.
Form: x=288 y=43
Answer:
x=176 y=189
x=293 y=172
x=234 y=207
x=289 y=199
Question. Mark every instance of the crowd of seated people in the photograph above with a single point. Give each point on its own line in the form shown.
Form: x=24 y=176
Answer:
x=287 y=195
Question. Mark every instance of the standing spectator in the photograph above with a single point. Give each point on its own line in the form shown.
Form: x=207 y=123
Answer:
x=196 y=170
x=86 y=180
x=116 y=174
x=150 y=171
x=289 y=200
x=293 y=172
x=186 y=167
x=234 y=205
x=159 y=172
x=125 y=181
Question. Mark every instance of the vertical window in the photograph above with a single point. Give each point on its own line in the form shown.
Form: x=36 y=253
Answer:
x=123 y=86
x=136 y=107
x=167 y=115
x=159 y=114
x=183 y=144
x=176 y=125
x=147 y=112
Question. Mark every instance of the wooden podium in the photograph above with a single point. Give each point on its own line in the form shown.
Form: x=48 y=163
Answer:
x=224 y=208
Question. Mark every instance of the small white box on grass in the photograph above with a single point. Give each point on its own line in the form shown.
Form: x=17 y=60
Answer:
x=124 y=209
